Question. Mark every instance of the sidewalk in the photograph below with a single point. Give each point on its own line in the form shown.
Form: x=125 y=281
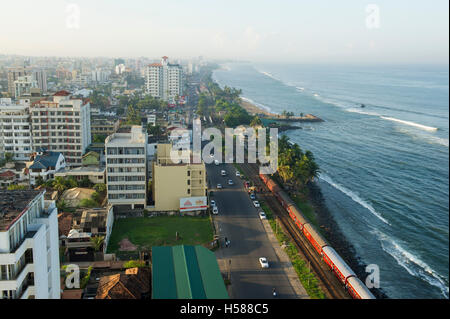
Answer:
x=285 y=263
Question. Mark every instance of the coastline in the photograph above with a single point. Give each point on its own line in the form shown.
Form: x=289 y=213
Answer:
x=316 y=200
x=256 y=110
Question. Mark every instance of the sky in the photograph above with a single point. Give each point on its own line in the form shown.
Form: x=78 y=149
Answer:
x=304 y=31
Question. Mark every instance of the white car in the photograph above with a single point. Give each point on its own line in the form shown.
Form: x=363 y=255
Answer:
x=215 y=210
x=263 y=262
x=230 y=182
x=262 y=215
x=213 y=203
x=256 y=203
x=216 y=162
x=219 y=186
x=238 y=174
x=223 y=172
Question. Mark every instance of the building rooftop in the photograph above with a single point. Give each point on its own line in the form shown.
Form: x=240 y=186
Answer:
x=134 y=284
x=46 y=160
x=13 y=204
x=186 y=272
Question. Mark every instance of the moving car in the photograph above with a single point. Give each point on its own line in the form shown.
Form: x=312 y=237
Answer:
x=238 y=174
x=223 y=173
x=256 y=203
x=263 y=262
x=213 y=203
x=219 y=186
x=215 y=210
x=262 y=215
x=216 y=162
x=230 y=182
x=252 y=196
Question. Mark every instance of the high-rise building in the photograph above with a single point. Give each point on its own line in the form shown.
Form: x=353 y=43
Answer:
x=39 y=75
x=29 y=247
x=126 y=167
x=62 y=125
x=164 y=80
x=24 y=84
x=15 y=129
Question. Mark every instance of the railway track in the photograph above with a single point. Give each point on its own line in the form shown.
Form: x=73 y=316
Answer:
x=329 y=284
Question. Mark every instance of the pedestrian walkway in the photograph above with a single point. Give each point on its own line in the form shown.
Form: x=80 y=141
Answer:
x=285 y=263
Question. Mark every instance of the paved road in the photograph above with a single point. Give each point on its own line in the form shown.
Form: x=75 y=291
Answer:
x=238 y=220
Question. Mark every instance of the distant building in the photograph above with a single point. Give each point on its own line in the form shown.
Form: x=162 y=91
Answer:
x=126 y=167
x=95 y=174
x=45 y=164
x=62 y=125
x=29 y=250
x=38 y=75
x=24 y=84
x=164 y=80
x=103 y=125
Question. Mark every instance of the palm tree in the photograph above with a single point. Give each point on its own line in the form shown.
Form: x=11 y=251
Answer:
x=97 y=241
x=59 y=184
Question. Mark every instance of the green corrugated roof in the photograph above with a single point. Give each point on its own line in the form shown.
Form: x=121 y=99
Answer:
x=186 y=272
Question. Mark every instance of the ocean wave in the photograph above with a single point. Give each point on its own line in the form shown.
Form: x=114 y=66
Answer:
x=256 y=103
x=411 y=263
x=425 y=137
x=270 y=75
x=353 y=196
x=420 y=126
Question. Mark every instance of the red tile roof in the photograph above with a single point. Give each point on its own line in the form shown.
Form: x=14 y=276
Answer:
x=64 y=223
x=131 y=285
x=7 y=174
x=62 y=93
x=155 y=64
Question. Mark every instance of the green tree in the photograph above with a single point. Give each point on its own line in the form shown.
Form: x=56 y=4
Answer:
x=9 y=157
x=97 y=241
x=100 y=187
x=99 y=138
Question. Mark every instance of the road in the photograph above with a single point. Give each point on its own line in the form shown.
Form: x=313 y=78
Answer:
x=238 y=220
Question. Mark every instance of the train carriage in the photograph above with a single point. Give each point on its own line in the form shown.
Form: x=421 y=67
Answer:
x=297 y=217
x=358 y=290
x=337 y=264
x=314 y=238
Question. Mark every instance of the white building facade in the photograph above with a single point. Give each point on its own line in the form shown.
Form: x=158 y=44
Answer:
x=126 y=167
x=29 y=247
x=62 y=125
x=15 y=129
x=164 y=80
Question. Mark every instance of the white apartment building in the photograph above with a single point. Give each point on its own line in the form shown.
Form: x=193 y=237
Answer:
x=126 y=167
x=164 y=80
x=15 y=129
x=29 y=247
x=23 y=85
x=62 y=125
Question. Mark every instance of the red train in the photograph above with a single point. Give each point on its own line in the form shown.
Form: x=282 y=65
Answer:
x=339 y=267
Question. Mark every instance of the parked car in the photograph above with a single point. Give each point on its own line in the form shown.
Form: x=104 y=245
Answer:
x=238 y=174
x=213 y=203
x=215 y=210
x=219 y=186
x=256 y=203
x=262 y=215
x=252 y=196
x=230 y=182
x=263 y=262
x=216 y=162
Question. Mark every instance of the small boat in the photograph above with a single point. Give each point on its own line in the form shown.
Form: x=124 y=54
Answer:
x=362 y=105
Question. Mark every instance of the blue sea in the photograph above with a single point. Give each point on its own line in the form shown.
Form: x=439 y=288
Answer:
x=384 y=167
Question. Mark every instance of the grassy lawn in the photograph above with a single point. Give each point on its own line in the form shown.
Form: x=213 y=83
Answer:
x=160 y=231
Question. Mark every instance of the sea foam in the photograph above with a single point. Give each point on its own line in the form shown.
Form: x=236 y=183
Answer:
x=411 y=263
x=353 y=196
